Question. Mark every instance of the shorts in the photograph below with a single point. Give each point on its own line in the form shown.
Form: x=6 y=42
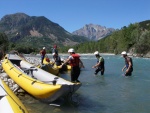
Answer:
x=129 y=72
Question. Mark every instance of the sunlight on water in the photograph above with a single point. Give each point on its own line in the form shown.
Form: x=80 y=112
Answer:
x=111 y=93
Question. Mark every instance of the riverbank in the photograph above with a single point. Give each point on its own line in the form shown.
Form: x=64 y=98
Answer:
x=88 y=54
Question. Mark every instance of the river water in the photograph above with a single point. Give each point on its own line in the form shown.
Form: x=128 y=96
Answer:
x=110 y=93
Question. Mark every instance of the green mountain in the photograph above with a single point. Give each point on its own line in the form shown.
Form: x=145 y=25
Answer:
x=134 y=39
x=30 y=32
x=36 y=32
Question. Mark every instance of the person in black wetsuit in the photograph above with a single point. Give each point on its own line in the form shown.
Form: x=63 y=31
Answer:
x=100 y=63
x=128 y=64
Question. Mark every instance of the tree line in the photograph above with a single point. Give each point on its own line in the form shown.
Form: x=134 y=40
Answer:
x=134 y=38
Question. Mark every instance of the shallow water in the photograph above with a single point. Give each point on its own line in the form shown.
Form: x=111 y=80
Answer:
x=111 y=93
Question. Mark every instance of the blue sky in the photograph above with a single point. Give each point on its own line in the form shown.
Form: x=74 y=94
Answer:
x=74 y=14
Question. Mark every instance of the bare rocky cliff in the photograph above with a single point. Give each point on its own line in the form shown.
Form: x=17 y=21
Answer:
x=94 y=32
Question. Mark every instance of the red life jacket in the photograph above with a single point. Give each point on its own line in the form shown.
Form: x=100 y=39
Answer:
x=47 y=59
x=75 y=61
x=43 y=52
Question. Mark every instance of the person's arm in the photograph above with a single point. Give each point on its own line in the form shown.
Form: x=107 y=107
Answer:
x=40 y=52
x=81 y=64
x=97 y=65
x=65 y=62
x=123 y=68
x=54 y=60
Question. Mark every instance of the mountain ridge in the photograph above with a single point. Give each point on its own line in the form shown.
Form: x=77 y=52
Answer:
x=94 y=31
x=24 y=29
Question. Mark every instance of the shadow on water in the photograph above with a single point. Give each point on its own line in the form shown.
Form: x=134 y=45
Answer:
x=84 y=100
x=82 y=105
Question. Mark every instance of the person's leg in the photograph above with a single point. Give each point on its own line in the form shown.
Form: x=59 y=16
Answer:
x=97 y=70
x=102 y=71
x=129 y=72
x=77 y=74
x=72 y=74
x=42 y=59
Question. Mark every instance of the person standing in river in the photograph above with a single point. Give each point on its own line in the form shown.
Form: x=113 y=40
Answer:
x=54 y=50
x=100 y=63
x=42 y=53
x=74 y=61
x=128 y=64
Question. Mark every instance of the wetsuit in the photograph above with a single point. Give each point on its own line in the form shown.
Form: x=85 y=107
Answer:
x=101 y=66
x=57 y=60
x=127 y=60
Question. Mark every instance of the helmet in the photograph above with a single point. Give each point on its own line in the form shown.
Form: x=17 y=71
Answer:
x=124 y=53
x=43 y=47
x=70 y=50
x=96 y=53
x=53 y=54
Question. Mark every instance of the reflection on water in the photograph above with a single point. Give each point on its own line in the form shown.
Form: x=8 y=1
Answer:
x=111 y=93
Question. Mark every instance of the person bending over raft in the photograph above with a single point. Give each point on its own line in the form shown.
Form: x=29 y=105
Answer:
x=57 y=59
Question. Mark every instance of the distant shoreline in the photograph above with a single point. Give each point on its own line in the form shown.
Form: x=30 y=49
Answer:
x=82 y=54
x=129 y=54
x=99 y=53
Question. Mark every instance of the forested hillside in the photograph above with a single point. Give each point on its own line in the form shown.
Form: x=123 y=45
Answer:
x=3 y=41
x=34 y=32
x=134 y=39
